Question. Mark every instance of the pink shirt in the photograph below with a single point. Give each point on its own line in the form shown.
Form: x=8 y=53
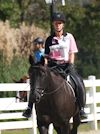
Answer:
x=63 y=46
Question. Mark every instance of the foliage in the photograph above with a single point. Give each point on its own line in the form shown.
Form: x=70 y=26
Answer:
x=88 y=40
x=15 y=70
x=9 y=10
x=18 y=41
x=18 y=11
x=82 y=21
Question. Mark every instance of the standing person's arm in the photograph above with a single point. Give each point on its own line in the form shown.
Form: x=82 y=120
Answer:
x=45 y=61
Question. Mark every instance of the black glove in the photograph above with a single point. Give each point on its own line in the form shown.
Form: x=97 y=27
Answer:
x=70 y=66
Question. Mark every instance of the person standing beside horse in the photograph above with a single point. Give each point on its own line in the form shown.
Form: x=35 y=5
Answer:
x=61 y=47
x=36 y=54
x=37 y=49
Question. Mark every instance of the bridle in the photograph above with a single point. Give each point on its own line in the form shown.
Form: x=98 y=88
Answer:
x=52 y=92
x=42 y=91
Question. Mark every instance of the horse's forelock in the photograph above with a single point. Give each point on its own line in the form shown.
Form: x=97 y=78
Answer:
x=36 y=67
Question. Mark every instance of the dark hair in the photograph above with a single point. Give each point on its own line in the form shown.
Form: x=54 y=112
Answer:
x=38 y=40
x=58 y=17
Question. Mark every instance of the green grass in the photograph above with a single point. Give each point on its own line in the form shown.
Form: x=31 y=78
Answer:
x=98 y=89
x=22 y=131
x=83 y=127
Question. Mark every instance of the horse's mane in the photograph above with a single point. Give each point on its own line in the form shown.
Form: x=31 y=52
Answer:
x=54 y=70
x=58 y=72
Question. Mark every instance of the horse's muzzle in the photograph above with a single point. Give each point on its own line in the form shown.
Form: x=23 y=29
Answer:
x=36 y=95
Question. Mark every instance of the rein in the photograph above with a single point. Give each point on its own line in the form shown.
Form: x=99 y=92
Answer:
x=52 y=92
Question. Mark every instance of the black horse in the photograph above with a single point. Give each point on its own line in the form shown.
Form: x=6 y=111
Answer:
x=55 y=101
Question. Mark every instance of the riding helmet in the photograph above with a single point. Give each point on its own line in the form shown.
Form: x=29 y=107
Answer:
x=38 y=40
x=58 y=17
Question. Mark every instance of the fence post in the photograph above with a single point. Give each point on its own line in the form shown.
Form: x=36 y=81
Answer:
x=93 y=105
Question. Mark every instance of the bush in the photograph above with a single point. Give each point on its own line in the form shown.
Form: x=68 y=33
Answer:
x=15 y=70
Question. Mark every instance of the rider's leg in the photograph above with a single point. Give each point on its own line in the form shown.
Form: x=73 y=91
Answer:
x=82 y=96
x=80 y=91
x=27 y=113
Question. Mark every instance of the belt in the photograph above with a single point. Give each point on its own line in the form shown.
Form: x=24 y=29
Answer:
x=61 y=61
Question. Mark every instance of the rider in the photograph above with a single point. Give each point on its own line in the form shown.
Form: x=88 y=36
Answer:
x=37 y=53
x=61 y=47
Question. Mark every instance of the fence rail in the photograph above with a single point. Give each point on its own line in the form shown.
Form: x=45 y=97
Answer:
x=11 y=108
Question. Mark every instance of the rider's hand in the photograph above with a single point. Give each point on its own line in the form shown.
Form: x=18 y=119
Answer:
x=70 y=67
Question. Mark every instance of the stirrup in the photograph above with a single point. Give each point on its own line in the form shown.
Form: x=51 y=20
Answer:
x=83 y=114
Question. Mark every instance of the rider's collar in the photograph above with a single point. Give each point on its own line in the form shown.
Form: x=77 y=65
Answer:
x=64 y=34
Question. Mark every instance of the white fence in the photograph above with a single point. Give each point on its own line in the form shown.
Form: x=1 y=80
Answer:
x=11 y=109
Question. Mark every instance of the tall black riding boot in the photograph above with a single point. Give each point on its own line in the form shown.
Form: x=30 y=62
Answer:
x=82 y=97
x=81 y=108
x=79 y=90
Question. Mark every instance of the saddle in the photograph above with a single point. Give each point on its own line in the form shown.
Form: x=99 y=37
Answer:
x=68 y=77
x=75 y=80
x=76 y=83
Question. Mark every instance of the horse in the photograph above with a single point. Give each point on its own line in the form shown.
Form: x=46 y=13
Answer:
x=54 y=99
x=22 y=94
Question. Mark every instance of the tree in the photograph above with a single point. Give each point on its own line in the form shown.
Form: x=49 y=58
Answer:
x=9 y=11
x=82 y=21
x=88 y=34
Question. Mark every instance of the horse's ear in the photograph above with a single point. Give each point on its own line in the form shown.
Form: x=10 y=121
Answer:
x=31 y=60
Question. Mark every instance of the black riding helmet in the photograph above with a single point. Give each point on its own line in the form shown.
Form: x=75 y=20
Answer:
x=38 y=40
x=58 y=17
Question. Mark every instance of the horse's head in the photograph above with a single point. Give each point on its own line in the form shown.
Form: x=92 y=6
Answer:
x=37 y=74
x=43 y=80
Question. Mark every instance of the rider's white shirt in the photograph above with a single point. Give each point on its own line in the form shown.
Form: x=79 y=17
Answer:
x=66 y=44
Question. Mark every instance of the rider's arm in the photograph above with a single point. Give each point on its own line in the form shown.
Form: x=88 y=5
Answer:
x=71 y=58
x=72 y=49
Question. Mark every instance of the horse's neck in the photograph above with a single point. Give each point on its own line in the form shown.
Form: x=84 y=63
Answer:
x=55 y=79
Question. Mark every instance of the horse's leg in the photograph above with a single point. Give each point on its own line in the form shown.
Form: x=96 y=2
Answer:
x=76 y=123
x=58 y=129
x=43 y=128
x=65 y=129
